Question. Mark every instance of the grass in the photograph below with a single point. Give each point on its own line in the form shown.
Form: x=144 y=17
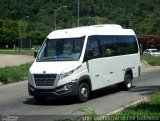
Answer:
x=151 y=60
x=17 y=52
x=14 y=73
x=149 y=110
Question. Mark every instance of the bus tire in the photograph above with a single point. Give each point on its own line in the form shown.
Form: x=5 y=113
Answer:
x=83 y=93
x=127 y=84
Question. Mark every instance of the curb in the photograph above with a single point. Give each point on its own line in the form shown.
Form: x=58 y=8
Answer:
x=125 y=106
x=145 y=62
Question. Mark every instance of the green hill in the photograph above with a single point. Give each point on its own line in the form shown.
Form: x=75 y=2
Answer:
x=141 y=15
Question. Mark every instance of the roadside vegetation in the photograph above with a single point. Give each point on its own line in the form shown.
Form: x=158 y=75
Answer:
x=135 y=14
x=147 y=110
x=151 y=60
x=14 y=73
x=17 y=52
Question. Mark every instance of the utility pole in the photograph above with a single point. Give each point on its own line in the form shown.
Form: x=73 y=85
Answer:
x=78 y=13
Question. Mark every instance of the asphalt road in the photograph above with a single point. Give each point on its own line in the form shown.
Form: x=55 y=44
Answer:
x=14 y=98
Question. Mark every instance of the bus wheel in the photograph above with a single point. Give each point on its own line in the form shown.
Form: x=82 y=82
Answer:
x=83 y=93
x=127 y=84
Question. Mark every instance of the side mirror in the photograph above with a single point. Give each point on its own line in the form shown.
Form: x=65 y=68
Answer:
x=90 y=53
x=35 y=54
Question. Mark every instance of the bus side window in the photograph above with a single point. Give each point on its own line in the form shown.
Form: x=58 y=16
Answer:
x=92 y=46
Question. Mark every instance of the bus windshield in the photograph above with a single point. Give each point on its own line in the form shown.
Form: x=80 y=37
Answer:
x=65 y=49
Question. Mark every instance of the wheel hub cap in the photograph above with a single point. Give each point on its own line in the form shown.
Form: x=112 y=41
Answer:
x=84 y=92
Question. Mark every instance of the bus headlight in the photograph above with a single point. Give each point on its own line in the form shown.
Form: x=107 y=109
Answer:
x=64 y=75
x=30 y=77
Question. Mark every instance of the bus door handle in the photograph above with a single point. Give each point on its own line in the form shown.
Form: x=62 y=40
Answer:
x=110 y=72
x=97 y=75
x=123 y=69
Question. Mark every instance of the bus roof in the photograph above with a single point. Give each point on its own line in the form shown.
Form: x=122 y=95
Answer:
x=103 y=29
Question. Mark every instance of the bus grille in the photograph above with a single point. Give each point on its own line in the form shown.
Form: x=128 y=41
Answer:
x=44 y=79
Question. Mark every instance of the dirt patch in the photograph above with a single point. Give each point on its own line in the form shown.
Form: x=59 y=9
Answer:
x=12 y=60
x=146 y=68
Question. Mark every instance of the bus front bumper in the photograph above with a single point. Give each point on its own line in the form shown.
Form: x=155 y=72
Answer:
x=70 y=89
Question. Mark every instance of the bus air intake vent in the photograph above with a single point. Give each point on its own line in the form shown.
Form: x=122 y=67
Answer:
x=44 y=79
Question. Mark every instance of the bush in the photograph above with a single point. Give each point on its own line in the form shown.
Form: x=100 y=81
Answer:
x=151 y=60
x=14 y=73
x=3 y=78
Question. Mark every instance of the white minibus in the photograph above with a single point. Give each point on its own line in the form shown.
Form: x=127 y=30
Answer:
x=77 y=61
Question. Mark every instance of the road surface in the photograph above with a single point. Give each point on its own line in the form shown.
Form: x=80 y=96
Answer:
x=14 y=98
